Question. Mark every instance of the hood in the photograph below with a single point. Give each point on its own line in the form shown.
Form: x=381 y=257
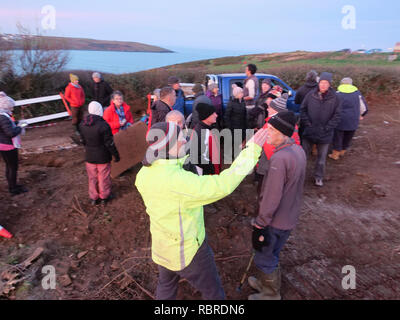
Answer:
x=91 y=120
x=311 y=84
x=347 y=88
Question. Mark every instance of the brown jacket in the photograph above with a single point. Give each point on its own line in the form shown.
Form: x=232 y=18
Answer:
x=281 y=193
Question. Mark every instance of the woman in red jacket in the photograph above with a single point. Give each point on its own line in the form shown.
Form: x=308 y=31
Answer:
x=75 y=95
x=118 y=114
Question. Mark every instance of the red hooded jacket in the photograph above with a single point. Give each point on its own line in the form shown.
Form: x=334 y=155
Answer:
x=112 y=118
x=75 y=96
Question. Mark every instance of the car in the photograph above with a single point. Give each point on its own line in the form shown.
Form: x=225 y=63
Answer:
x=225 y=81
x=370 y=51
x=360 y=51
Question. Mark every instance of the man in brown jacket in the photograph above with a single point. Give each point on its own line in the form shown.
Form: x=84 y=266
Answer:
x=279 y=205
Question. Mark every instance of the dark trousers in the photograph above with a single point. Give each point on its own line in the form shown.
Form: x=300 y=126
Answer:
x=77 y=116
x=11 y=160
x=268 y=259
x=320 y=164
x=201 y=273
x=342 y=139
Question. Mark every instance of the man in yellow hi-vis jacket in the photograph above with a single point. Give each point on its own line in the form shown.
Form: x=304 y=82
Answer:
x=174 y=200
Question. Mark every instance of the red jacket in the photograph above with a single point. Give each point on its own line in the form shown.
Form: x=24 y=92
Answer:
x=269 y=149
x=112 y=118
x=75 y=96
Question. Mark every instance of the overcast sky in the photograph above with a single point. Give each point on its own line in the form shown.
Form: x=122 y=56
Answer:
x=251 y=25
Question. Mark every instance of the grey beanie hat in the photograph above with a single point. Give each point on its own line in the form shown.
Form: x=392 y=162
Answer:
x=279 y=104
x=311 y=76
x=6 y=103
x=347 y=81
x=96 y=75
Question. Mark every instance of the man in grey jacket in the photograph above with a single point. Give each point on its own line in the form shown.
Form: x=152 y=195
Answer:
x=279 y=205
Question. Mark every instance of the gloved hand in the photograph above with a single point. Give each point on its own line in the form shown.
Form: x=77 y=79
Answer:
x=117 y=158
x=260 y=238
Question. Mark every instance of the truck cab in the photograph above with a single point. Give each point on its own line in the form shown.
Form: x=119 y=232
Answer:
x=226 y=80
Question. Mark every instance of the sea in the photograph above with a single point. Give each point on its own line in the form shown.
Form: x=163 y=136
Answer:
x=126 y=62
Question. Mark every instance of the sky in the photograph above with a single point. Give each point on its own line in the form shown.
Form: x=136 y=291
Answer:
x=251 y=26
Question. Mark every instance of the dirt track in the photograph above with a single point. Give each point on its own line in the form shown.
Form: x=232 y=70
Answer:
x=352 y=220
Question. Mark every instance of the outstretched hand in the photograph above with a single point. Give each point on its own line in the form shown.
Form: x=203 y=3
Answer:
x=260 y=137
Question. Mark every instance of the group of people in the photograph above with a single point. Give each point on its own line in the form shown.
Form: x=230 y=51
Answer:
x=175 y=185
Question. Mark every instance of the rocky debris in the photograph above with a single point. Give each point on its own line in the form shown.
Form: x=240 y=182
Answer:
x=65 y=280
x=378 y=190
x=82 y=254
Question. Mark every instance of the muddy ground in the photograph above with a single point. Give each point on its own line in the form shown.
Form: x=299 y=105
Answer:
x=104 y=252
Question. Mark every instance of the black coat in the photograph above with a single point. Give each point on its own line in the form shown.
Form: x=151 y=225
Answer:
x=98 y=140
x=159 y=110
x=303 y=91
x=199 y=98
x=7 y=130
x=203 y=148
x=320 y=116
x=235 y=114
x=101 y=92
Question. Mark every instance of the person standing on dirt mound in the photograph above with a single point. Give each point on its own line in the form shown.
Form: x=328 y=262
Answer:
x=118 y=115
x=174 y=200
x=75 y=95
x=100 y=148
x=279 y=205
x=354 y=108
x=320 y=115
x=10 y=142
x=101 y=91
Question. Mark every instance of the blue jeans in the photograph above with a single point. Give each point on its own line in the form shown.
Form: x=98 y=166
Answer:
x=267 y=260
x=201 y=273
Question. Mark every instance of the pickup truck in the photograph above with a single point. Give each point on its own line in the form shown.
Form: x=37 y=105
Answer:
x=225 y=82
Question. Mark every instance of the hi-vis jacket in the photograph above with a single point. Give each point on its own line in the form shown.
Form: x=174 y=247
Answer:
x=174 y=200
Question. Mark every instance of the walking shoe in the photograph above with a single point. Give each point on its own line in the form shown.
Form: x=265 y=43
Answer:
x=335 y=155
x=269 y=286
x=104 y=201
x=18 y=190
x=318 y=182
x=76 y=138
x=94 y=202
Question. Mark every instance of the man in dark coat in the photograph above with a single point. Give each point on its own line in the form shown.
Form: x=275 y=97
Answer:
x=320 y=115
x=100 y=148
x=180 y=95
x=354 y=108
x=161 y=107
x=200 y=97
x=100 y=90
x=204 y=148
